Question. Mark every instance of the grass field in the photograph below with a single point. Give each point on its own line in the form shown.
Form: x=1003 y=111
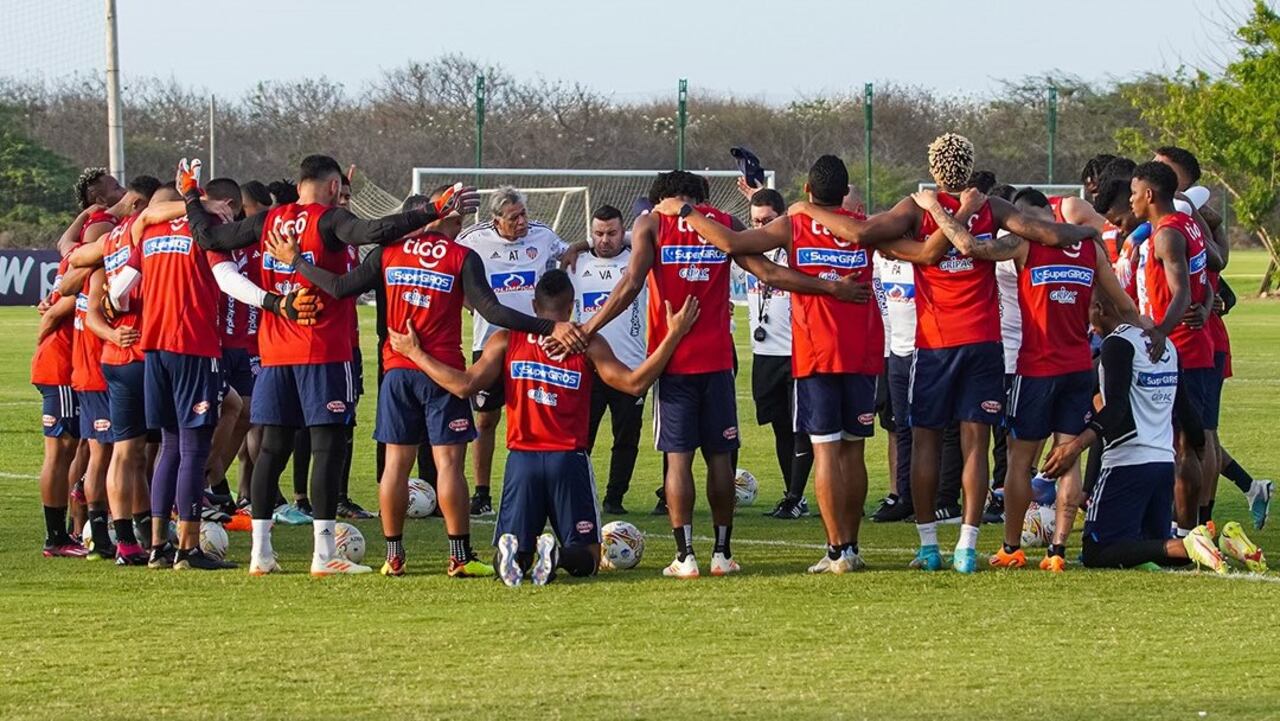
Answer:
x=94 y=641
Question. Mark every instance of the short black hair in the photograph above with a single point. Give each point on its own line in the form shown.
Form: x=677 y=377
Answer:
x=1094 y=166
x=284 y=191
x=417 y=202
x=1113 y=184
x=552 y=286
x=828 y=180
x=607 y=212
x=983 y=180
x=1183 y=158
x=223 y=189
x=145 y=185
x=1160 y=177
x=1004 y=191
x=87 y=178
x=318 y=167
x=678 y=183
x=769 y=197
x=1031 y=197
x=256 y=190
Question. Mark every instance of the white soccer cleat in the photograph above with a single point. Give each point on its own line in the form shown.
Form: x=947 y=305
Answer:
x=336 y=567
x=852 y=561
x=544 y=560
x=261 y=567
x=688 y=568
x=824 y=565
x=508 y=567
x=722 y=566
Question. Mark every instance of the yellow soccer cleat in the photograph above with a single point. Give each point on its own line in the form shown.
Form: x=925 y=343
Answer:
x=1234 y=544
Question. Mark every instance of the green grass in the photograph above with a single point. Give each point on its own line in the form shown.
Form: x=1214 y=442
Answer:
x=94 y=641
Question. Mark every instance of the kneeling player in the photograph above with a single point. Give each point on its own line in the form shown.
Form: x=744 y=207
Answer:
x=548 y=474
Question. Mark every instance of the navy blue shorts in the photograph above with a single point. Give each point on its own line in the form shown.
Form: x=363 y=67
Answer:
x=95 y=416
x=898 y=368
x=965 y=383
x=836 y=406
x=542 y=486
x=127 y=386
x=1040 y=406
x=182 y=391
x=696 y=410
x=59 y=411
x=413 y=409
x=240 y=369
x=1131 y=503
x=321 y=394
x=1213 y=400
x=1199 y=385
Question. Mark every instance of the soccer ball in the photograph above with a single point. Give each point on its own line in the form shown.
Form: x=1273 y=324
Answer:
x=86 y=534
x=622 y=547
x=422 y=500
x=1038 y=525
x=349 y=542
x=213 y=540
x=419 y=484
x=745 y=487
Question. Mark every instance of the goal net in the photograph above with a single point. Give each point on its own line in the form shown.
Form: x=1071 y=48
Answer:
x=1049 y=190
x=565 y=199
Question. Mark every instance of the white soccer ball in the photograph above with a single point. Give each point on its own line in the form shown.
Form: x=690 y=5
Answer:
x=422 y=501
x=745 y=487
x=86 y=534
x=1038 y=525
x=213 y=540
x=622 y=546
x=419 y=484
x=349 y=542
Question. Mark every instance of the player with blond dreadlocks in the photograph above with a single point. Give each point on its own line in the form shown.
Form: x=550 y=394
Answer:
x=958 y=370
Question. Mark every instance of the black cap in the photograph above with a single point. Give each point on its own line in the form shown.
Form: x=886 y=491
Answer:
x=748 y=165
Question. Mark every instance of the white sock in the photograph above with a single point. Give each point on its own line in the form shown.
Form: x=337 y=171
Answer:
x=928 y=533
x=1182 y=532
x=325 y=544
x=262 y=550
x=968 y=537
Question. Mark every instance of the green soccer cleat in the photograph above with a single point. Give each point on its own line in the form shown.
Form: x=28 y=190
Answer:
x=1234 y=544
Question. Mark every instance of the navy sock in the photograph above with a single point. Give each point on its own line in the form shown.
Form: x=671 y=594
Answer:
x=684 y=541
x=1238 y=475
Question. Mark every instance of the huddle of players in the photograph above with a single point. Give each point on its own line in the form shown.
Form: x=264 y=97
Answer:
x=681 y=251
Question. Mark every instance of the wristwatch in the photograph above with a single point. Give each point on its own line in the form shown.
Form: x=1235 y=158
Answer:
x=685 y=210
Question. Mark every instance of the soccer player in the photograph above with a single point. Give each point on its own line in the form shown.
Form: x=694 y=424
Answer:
x=957 y=367
x=595 y=276
x=548 y=397
x=90 y=386
x=425 y=279
x=515 y=252
x=98 y=190
x=1052 y=391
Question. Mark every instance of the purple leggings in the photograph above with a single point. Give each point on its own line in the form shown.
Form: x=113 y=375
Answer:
x=179 y=472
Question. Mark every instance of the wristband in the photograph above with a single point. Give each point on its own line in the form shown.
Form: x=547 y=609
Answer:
x=685 y=210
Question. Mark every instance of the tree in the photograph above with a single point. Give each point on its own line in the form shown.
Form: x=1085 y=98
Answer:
x=35 y=187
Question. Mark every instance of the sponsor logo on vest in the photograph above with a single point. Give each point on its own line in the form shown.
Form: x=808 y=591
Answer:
x=416 y=297
x=1064 y=296
x=1072 y=274
x=1158 y=380
x=1198 y=262
x=274 y=264
x=831 y=257
x=691 y=255
x=514 y=281
x=593 y=302
x=420 y=278
x=899 y=292
x=541 y=372
x=696 y=275
x=953 y=262
x=179 y=244
x=542 y=397
x=117 y=259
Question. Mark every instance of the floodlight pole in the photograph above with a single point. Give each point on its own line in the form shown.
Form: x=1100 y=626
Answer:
x=682 y=119
x=1053 y=126
x=213 y=155
x=115 y=123
x=480 y=121
x=867 y=93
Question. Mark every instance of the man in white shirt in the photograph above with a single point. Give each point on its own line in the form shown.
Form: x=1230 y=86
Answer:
x=516 y=252
x=595 y=275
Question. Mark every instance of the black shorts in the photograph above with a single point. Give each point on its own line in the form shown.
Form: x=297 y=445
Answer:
x=771 y=388
x=491 y=398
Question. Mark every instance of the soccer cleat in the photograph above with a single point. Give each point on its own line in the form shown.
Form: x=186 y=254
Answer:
x=660 y=508
x=130 y=554
x=508 y=567
x=688 y=568
x=290 y=515
x=1200 y=549
x=1234 y=544
x=825 y=565
x=65 y=548
x=892 y=510
x=1017 y=559
x=994 y=512
x=790 y=509
x=161 y=556
x=336 y=567
x=261 y=567
x=544 y=560
x=928 y=558
x=803 y=505
x=198 y=560
x=1259 y=498
x=239 y=522
x=1211 y=528
x=351 y=510
x=1053 y=564
x=965 y=560
x=393 y=566
x=852 y=561
x=614 y=508
x=101 y=554
x=481 y=506
x=471 y=568
x=304 y=504
x=949 y=514
x=722 y=565
x=773 y=513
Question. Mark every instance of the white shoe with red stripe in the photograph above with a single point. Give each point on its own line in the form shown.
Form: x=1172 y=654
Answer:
x=688 y=568
x=336 y=567
x=723 y=566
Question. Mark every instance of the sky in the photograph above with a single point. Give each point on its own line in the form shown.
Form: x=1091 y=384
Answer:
x=778 y=50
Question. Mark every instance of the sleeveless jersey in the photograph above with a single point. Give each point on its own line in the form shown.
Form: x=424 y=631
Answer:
x=828 y=335
x=181 y=312
x=98 y=216
x=281 y=341
x=118 y=253
x=1152 y=388
x=548 y=401
x=956 y=299
x=1055 y=288
x=769 y=308
x=594 y=279
x=238 y=321
x=1217 y=328
x=86 y=349
x=513 y=268
x=684 y=264
x=898 y=284
x=51 y=365
x=1195 y=347
x=422 y=275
